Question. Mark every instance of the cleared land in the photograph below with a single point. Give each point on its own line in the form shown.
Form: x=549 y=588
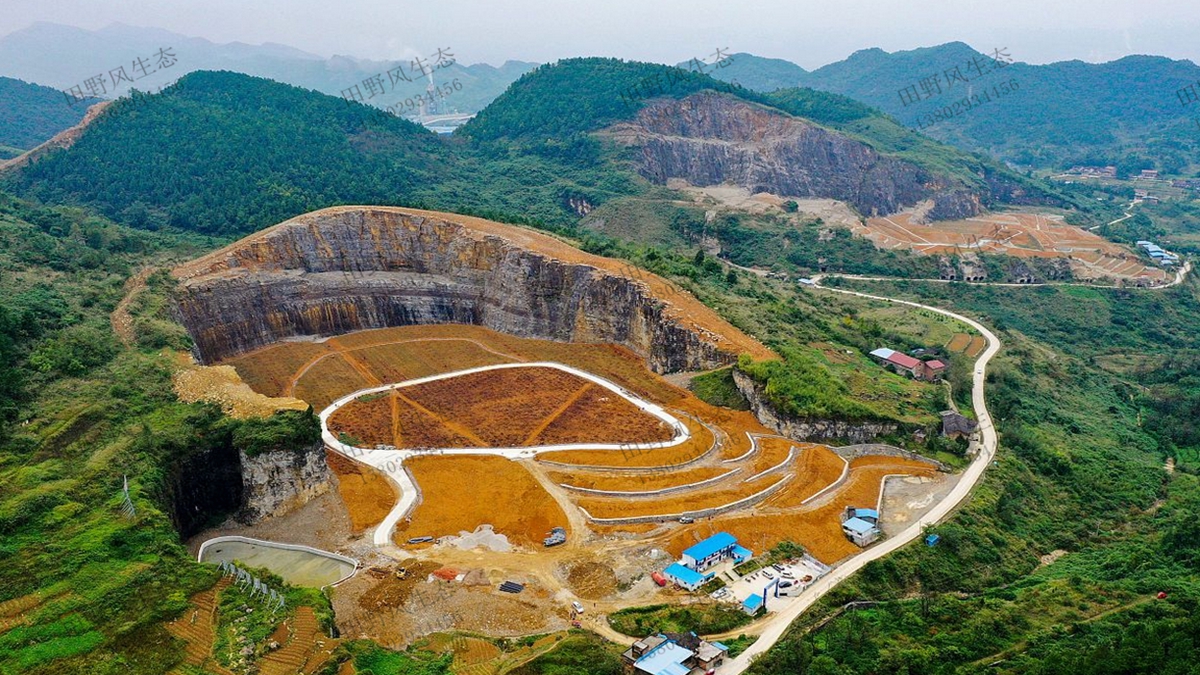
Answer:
x=515 y=407
x=1025 y=235
x=816 y=526
x=459 y=493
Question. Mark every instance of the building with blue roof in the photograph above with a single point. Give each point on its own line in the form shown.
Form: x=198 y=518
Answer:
x=673 y=654
x=752 y=604
x=685 y=576
x=869 y=515
x=711 y=551
x=860 y=531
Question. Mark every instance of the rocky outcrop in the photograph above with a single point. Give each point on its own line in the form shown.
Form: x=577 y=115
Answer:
x=813 y=430
x=710 y=138
x=274 y=483
x=352 y=268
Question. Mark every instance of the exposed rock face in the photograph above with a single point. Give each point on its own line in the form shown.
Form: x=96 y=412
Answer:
x=814 y=430
x=352 y=268
x=710 y=138
x=274 y=483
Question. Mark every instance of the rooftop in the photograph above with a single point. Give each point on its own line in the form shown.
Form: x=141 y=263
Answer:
x=686 y=575
x=903 y=360
x=703 y=549
x=753 y=602
x=866 y=513
x=665 y=659
x=935 y=364
x=858 y=525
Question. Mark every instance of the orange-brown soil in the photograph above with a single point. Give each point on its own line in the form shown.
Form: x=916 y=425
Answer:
x=367 y=493
x=600 y=507
x=1026 y=235
x=817 y=527
x=462 y=492
x=959 y=342
x=517 y=407
x=638 y=482
x=978 y=344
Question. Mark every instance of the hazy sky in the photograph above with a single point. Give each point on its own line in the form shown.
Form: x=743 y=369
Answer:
x=811 y=33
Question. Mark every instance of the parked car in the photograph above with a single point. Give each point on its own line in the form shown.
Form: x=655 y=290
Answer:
x=768 y=574
x=577 y=606
x=686 y=520
x=785 y=584
x=420 y=540
x=778 y=567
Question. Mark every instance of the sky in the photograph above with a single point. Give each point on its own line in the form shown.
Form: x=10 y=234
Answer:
x=810 y=33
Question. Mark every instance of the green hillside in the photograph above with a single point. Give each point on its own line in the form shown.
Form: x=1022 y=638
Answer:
x=1124 y=112
x=224 y=153
x=31 y=114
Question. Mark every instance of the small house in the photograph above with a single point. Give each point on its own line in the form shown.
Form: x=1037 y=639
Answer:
x=899 y=362
x=685 y=577
x=860 y=532
x=954 y=425
x=752 y=604
x=717 y=548
x=934 y=369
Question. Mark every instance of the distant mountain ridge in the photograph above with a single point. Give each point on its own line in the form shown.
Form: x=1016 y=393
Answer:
x=64 y=56
x=1124 y=112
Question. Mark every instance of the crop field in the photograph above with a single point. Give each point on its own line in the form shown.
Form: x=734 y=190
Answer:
x=517 y=407
x=1027 y=235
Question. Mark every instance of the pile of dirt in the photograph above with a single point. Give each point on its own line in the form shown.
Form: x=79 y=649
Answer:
x=590 y=579
x=395 y=584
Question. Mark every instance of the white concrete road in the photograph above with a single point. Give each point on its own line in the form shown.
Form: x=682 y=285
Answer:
x=776 y=628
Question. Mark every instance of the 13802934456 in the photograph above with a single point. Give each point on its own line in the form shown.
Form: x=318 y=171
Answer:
x=967 y=103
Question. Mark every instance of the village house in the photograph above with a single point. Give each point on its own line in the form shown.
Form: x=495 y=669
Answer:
x=673 y=654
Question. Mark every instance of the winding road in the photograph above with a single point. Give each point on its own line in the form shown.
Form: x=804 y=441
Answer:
x=777 y=627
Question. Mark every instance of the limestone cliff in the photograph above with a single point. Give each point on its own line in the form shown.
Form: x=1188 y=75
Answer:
x=814 y=430
x=274 y=483
x=345 y=269
x=710 y=139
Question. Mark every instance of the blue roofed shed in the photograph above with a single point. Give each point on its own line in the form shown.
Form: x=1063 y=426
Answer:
x=870 y=515
x=742 y=554
x=751 y=604
x=684 y=576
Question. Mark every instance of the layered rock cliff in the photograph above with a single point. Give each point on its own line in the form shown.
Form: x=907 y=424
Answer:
x=710 y=138
x=352 y=268
x=274 y=483
x=813 y=430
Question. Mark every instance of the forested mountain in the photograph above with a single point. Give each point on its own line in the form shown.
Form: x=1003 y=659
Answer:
x=65 y=56
x=1125 y=112
x=227 y=153
x=30 y=114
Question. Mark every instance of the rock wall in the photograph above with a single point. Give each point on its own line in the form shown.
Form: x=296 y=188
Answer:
x=710 y=139
x=854 y=451
x=274 y=483
x=352 y=268
x=813 y=430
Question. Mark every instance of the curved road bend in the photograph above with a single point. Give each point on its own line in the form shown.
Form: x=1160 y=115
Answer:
x=776 y=628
